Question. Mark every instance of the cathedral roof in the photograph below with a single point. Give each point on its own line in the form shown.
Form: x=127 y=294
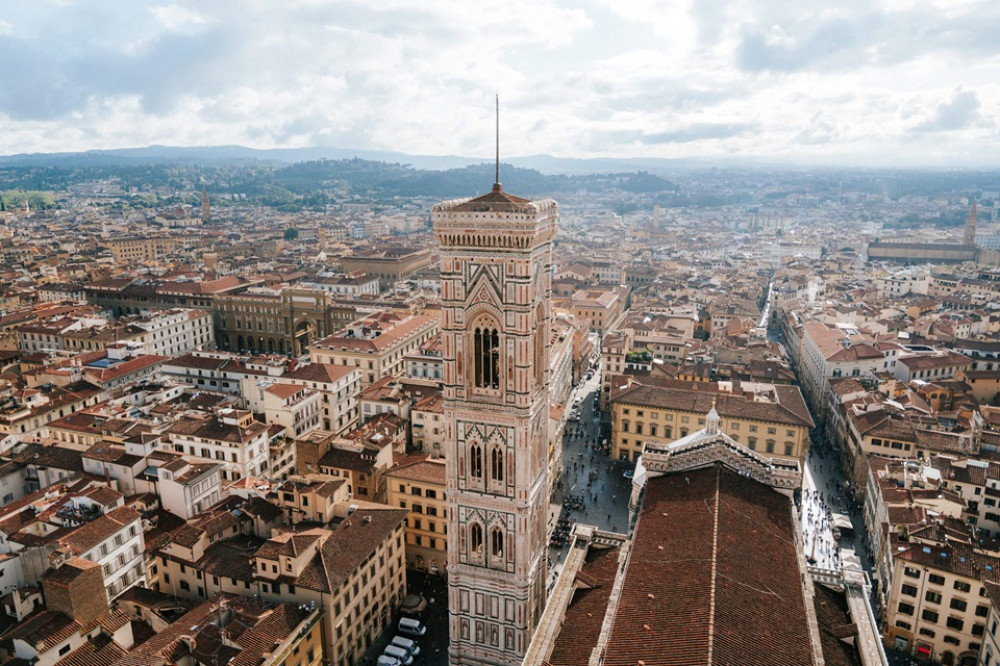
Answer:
x=713 y=574
x=494 y=201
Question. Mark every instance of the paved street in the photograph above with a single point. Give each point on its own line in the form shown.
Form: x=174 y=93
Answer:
x=434 y=644
x=593 y=490
x=823 y=490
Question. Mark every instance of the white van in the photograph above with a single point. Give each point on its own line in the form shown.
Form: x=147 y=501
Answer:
x=398 y=654
x=386 y=660
x=411 y=647
x=411 y=627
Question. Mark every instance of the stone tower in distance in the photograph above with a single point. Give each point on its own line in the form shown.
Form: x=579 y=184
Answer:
x=969 y=238
x=496 y=288
x=206 y=212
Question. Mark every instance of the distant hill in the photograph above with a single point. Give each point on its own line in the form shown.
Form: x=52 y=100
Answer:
x=239 y=155
x=160 y=175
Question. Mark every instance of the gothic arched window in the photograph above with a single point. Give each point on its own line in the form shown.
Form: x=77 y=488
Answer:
x=476 y=461
x=496 y=543
x=496 y=464
x=486 y=356
x=476 y=539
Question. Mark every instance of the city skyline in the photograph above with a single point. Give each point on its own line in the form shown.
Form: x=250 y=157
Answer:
x=866 y=84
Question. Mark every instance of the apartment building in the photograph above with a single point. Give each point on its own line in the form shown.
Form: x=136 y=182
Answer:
x=230 y=436
x=938 y=605
x=933 y=367
x=28 y=411
x=427 y=425
x=426 y=362
x=286 y=634
x=350 y=286
x=376 y=345
x=137 y=250
x=114 y=541
x=314 y=501
x=175 y=331
x=295 y=408
x=186 y=488
x=162 y=332
x=601 y=307
x=771 y=419
x=839 y=351
x=355 y=572
x=989 y=653
x=418 y=485
x=338 y=387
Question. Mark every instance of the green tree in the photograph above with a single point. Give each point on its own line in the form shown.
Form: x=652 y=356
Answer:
x=291 y=233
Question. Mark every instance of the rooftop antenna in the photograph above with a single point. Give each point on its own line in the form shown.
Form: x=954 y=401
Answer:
x=496 y=180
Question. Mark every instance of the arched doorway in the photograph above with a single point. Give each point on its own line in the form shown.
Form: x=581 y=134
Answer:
x=305 y=330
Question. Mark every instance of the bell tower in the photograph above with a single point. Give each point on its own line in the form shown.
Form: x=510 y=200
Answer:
x=496 y=287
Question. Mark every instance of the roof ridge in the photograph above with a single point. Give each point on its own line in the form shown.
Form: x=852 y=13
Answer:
x=715 y=566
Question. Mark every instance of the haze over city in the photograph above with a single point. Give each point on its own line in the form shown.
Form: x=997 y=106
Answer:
x=856 y=83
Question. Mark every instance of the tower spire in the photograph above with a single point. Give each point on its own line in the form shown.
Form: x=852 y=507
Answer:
x=496 y=179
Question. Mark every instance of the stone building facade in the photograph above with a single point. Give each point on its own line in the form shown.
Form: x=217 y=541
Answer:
x=283 y=323
x=496 y=257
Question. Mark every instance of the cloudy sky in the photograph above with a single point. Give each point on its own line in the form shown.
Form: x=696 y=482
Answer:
x=861 y=82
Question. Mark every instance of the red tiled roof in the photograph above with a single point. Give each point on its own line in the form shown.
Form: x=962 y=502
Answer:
x=713 y=571
x=585 y=615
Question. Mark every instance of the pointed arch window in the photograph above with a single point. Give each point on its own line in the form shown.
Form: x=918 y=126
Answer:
x=496 y=543
x=476 y=461
x=486 y=353
x=496 y=464
x=476 y=539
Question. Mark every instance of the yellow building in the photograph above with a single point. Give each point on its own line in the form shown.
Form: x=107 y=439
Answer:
x=600 y=306
x=419 y=487
x=771 y=419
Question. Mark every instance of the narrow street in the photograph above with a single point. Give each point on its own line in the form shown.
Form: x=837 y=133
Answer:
x=824 y=496
x=593 y=489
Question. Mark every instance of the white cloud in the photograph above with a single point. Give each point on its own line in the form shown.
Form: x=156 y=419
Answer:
x=596 y=77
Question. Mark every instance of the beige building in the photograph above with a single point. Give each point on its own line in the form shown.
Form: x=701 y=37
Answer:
x=377 y=344
x=143 y=249
x=601 y=306
x=419 y=487
x=339 y=387
x=388 y=265
x=770 y=419
x=938 y=604
x=231 y=437
x=355 y=572
x=295 y=408
x=427 y=425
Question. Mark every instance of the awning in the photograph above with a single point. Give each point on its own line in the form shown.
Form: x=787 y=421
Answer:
x=842 y=522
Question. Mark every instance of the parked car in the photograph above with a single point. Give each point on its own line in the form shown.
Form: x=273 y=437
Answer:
x=411 y=627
